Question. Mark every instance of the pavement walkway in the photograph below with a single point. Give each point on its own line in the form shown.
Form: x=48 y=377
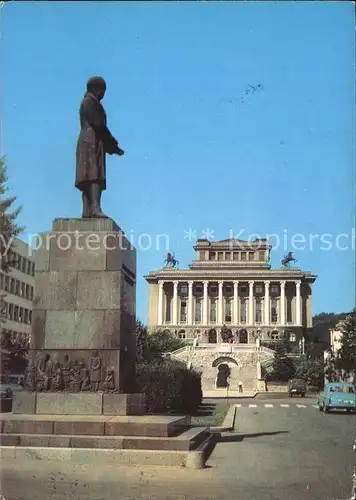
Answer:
x=223 y=394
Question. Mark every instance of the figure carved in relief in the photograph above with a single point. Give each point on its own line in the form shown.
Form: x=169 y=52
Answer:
x=84 y=377
x=109 y=382
x=57 y=382
x=95 y=371
x=75 y=377
x=42 y=373
x=66 y=368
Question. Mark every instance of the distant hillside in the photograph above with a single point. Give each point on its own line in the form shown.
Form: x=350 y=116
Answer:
x=323 y=322
x=318 y=337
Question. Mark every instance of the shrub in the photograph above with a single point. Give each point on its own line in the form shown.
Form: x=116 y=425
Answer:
x=169 y=386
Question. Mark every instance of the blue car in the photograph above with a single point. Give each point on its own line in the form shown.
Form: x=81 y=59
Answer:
x=337 y=396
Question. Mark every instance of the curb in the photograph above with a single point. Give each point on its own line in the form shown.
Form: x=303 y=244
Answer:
x=228 y=423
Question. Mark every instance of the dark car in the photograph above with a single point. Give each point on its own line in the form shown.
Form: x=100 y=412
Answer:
x=297 y=387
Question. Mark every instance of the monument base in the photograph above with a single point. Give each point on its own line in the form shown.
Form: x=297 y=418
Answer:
x=121 y=440
x=64 y=403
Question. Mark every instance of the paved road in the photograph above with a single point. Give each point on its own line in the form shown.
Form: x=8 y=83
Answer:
x=276 y=453
x=290 y=451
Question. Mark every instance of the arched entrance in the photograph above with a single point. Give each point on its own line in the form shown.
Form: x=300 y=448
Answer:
x=212 y=336
x=223 y=375
x=224 y=365
x=243 y=336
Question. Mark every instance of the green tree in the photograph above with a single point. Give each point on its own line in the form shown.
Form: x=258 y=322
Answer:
x=347 y=354
x=154 y=344
x=8 y=228
x=283 y=367
x=311 y=370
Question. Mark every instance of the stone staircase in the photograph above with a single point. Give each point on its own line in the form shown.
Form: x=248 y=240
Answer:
x=242 y=360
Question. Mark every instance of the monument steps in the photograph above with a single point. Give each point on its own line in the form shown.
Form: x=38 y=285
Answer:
x=92 y=425
x=186 y=441
x=194 y=459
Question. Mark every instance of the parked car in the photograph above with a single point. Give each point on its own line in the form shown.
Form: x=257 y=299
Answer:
x=6 y=394
x=337 y=396
x=297 y=387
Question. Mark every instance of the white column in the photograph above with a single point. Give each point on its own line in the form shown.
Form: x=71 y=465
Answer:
x=175 y=302
x=250 y=304
x=205 y=303
x=236 y=298
x=259 y=370
x=190 y=302
x=160 y=303
x=298 y=305
x=220 y=303
x=283 y=303
x=267 y=303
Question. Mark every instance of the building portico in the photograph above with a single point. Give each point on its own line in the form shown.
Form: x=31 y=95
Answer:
x=231 y=283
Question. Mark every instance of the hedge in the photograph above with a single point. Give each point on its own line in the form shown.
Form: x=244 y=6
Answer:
x=169 y=386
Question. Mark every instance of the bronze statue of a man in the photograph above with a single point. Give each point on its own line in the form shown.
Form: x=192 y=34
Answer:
x=95 y=140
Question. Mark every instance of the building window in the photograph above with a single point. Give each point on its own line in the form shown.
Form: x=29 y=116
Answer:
x=243 y=289
x=181 y=334
x=33 y=269
x=23 y=265
x=23 y=289
x=275 y=335
x=251 y=255
x=243 y=311
x=261 y=255
x=29 y=267
x=227 y=255
x=16 y=313
x=31 y=292
x=168 y=308
x=228 y=310
x=212 y=256
x=243 y=255
x=30 y=317
x=183 y=311
x=236 y=255
x=274 y=311
x=228 y=289
x=292 y=337
x=198 y=290
x=213 y=310
x=7 y=283
x=202 y=255
x=220 y=255
x=17 y=287
x=198 y=303
x=258 y=311
x=12 y=285
x=259 y=289
x=275 y=289
x=213 y=289
x=183 y=290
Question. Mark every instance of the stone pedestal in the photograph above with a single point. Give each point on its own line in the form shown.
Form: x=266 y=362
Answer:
x=83 y=319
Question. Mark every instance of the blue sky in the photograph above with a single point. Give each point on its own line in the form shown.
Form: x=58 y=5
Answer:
x=203 y=150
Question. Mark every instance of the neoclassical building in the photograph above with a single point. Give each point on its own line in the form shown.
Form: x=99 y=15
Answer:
x=230 y=285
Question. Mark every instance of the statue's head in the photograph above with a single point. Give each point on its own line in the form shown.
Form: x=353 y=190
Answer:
x=97 y=86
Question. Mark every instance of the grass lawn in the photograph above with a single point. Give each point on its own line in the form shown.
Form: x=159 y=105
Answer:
x=211 y=414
